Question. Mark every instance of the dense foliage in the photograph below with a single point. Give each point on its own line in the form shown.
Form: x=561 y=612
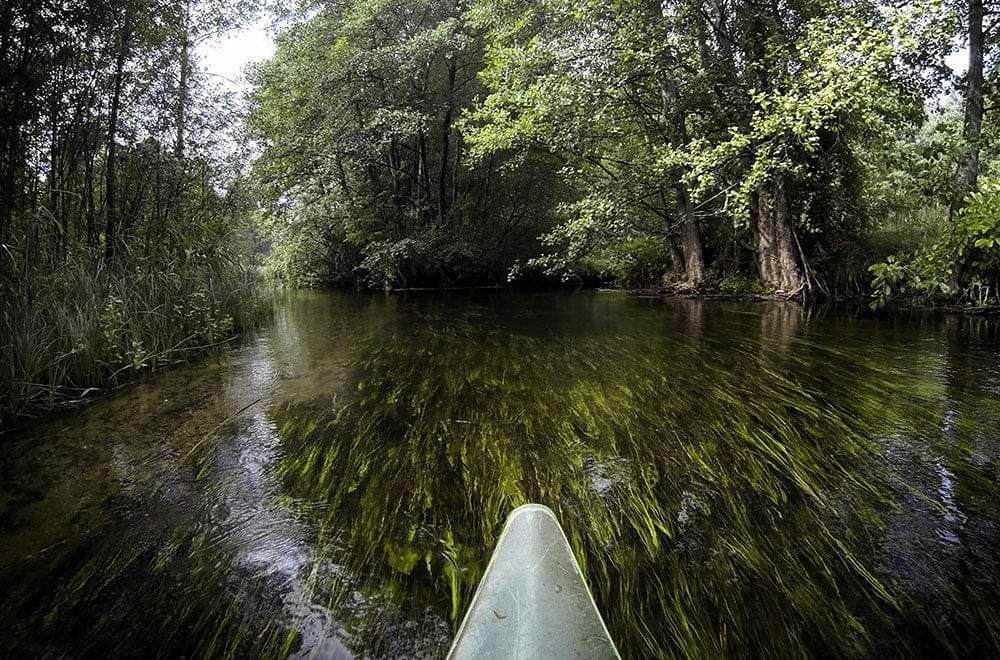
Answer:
x=804 y=148
x=430 y=142
x=122 y=239
x=364 y=166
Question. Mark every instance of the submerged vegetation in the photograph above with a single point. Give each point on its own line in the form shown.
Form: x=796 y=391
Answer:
x=740 y=480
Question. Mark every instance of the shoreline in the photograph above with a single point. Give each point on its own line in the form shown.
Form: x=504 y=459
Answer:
x=898 y=304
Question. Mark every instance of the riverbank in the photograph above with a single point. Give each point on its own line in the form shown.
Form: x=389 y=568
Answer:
x=78 y=332
x=719 y=294
x=898 y=304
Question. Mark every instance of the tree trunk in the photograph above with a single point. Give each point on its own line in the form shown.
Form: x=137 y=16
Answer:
x=88 y=192
x=967 y=172
x=443 y=202
x=424 y=177
x=182 y=86
x=675 y=254
x=773 y=231
x=694 y=258
x=53 y=175
x=111 y=218
x=774 y=240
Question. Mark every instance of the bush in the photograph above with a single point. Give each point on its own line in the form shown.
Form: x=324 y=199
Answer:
x=640 y=262
x=742 y=285
x=430 y=258
x=963 y=263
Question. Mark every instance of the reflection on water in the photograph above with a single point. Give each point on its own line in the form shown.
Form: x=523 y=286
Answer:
x=751 y=480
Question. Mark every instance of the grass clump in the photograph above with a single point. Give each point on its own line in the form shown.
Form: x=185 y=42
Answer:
x=73 y=327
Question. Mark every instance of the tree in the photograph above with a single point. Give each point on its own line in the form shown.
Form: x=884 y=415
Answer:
x=725 y=120
x=967 y=171
x=110 y=212
x=86 y=261
x=607 y=93
x=357 y=116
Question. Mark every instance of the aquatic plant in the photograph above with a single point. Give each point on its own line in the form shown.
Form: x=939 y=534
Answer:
x=734 y=480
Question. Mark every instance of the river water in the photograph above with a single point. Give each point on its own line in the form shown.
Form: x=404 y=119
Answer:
x=750 y=480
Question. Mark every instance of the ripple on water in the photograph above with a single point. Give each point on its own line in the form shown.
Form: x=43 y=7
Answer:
x=749 y=480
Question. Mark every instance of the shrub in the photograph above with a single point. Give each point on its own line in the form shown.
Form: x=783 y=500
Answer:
x=639 y=262
x=741 y=284
x=963 y=263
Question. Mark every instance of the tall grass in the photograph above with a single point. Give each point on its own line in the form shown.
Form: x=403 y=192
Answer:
x=73 y=327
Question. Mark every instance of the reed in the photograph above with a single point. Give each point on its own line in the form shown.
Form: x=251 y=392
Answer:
x=74 y=328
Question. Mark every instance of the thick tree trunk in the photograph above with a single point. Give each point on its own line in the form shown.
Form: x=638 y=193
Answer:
x=694 y=258
x=773 y=229
x=967 y=172
x=669 y=231
x=674 y=129
x=774 y=241
x=676 y=256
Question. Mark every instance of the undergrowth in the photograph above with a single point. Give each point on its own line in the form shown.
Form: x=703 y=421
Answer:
x=73 y=327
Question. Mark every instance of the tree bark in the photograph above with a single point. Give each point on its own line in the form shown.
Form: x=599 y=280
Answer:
x=675 y=254
x=694 y=258
x=967 y=172
x=773 y=238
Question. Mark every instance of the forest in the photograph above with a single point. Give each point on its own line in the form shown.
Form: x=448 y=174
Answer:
x=710 y=288
x=805 y=149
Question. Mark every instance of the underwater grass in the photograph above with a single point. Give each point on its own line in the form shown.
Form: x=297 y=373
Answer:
x=719 y=530
x=728 y=490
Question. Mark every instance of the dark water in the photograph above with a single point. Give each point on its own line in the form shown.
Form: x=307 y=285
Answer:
x=741 y=480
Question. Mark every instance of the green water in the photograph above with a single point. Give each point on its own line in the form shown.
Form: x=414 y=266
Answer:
x=739 y=480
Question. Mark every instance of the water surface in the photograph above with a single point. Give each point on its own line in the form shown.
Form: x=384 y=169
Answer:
x=743 y=480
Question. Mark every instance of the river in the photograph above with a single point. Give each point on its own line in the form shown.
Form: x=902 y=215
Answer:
x=751 y=480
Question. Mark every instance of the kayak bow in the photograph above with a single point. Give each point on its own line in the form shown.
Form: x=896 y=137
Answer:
x=533 y=601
